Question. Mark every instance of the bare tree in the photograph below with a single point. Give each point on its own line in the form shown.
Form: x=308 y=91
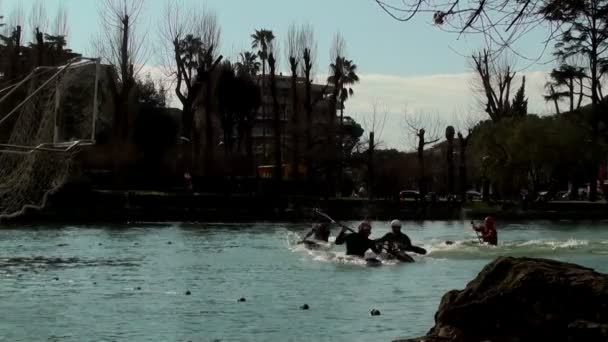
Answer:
x=122 y=45
x=465 y=121
x=60 y=23
x=38 y=18
x=501 y=22
x=293 y=54
x=426 y=129
x=15 y=23
x=190 y=59
x=38 y=21
x=493 y=83
x=338 y=47
x=374 y=124
x=122 y=41
x=309 y=56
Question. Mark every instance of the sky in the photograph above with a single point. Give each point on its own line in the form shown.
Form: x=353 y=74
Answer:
x=412 y=67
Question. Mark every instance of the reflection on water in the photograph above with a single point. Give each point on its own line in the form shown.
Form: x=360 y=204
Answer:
x=129 y=282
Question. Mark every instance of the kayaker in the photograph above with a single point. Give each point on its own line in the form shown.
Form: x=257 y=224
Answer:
x=488 y=231
x=319 y=231
x=358 y=243
x=399 y=241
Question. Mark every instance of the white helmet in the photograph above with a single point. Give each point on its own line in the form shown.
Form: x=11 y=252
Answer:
x=396 y=223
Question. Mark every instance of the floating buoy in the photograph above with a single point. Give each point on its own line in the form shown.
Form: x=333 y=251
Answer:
x=305 y=307
x=94 y=283
x=169 y=242
x=99 y=244
x=375 y=312
x=242 y=299
x=138 y=288
x=188 y=293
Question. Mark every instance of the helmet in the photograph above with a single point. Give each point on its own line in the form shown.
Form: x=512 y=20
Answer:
x=396 y=223
x=489 y=221
x=365 y=226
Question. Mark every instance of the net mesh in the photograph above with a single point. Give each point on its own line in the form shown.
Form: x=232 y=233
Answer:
x=29 y=175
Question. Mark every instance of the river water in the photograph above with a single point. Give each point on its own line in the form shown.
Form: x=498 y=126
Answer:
x=129 y=283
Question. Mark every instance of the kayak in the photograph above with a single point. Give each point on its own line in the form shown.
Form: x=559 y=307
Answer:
x=316 y=244
x=399 y=255
x=373 y=262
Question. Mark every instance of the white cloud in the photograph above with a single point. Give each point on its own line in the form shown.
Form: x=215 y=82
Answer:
x=445 y=94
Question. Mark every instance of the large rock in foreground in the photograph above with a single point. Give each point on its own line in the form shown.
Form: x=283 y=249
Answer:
x=523 y=299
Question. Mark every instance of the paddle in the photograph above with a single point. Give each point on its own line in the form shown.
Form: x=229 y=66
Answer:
x=320 y=213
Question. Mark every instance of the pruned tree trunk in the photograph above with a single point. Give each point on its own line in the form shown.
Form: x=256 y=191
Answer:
x=462 y=172
x=295 y=123
x=278 y=164
x=370 y=167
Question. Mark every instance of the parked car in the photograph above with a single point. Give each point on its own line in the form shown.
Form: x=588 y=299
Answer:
x=409 y=194
x=473 y=195
x=431 y=197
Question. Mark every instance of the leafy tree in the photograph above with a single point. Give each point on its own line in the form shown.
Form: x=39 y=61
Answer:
x=248 y=63
x=151 y=94
x=584 y=33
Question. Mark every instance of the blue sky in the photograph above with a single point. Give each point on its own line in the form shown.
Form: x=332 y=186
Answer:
x=413 y=64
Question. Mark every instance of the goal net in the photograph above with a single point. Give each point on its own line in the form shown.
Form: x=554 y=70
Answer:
x=39 y=133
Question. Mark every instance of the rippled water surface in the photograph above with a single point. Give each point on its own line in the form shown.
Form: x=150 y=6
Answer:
x=129 y=283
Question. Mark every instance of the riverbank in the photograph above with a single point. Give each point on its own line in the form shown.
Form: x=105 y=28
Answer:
x=90 y=205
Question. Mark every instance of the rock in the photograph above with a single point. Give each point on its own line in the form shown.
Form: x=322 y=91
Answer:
x=524 y=299
x=304 y=307
x=375 y=312
x=242 y=299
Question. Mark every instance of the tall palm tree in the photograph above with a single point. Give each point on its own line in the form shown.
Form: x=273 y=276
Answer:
x=343 y=74
x=248 y=63
x=278 y=163
x=262 y=40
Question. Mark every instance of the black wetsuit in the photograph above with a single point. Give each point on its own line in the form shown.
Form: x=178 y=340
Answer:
x=320 y=234
x=401 y=242
x=356 y=244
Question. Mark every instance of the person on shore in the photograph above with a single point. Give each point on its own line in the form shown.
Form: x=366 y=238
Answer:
x=319 y=232
x=358 y=243
x=398 y=241
x=488 y=231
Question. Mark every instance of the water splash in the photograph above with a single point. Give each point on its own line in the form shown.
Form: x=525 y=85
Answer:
x=467 y=249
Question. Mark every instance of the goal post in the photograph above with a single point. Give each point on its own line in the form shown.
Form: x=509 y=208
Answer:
x=35 y=158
